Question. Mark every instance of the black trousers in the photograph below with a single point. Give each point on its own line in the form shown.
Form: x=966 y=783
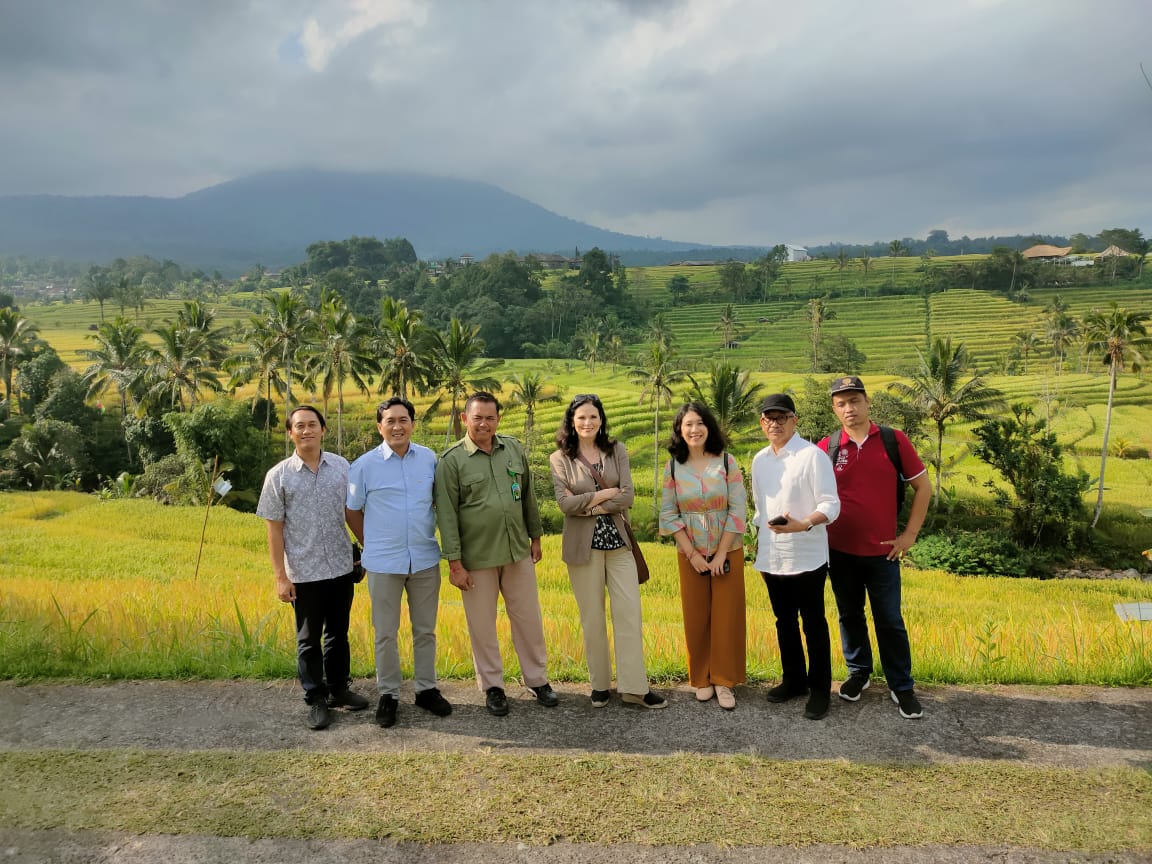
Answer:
x=323 y=658
x=801 y=596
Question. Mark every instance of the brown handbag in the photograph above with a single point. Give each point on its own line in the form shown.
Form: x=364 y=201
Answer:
x=642 y=573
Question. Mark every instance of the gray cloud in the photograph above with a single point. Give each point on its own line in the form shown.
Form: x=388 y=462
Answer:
x=726 y=121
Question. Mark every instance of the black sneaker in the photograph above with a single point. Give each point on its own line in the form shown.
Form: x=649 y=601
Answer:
x=386 y=711
x=431 y=700
x=318 y=715
x=784 y=692
x=496 y=702
x=856 y=684
x=648 y=700
x=817 y=706
x=910 y=707
x=349 y=699
x=546 y=696
x=600 y=698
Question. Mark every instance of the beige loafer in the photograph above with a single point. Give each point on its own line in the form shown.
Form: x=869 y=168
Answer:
x=703 y=694
x=725 y=698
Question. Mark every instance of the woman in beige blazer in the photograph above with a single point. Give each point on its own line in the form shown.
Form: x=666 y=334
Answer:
x=594 y=490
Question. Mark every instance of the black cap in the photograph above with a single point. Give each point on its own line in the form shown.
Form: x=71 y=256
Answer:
x=848 y=382
x=778 y=402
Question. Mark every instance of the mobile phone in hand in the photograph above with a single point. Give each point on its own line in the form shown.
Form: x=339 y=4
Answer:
x=779 y=520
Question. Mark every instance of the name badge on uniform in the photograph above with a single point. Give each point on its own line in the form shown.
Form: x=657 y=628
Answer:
x=515 y=485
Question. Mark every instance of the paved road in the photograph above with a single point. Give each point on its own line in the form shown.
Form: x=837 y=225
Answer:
x=1078 y=727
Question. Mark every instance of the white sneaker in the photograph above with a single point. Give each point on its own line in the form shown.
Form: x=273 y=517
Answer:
x=725 y=698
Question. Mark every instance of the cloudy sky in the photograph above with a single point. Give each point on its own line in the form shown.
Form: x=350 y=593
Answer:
x=720 y=121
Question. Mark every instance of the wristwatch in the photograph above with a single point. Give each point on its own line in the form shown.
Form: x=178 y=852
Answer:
x=809 y=523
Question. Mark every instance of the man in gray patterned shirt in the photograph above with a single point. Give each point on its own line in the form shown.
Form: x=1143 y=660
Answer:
x=303 y=504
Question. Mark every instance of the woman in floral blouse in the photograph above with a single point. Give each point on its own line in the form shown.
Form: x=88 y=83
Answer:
x=703 y=509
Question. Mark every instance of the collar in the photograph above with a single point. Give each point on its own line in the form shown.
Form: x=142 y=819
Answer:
x=873 y=429
x=472 y=448
x=298 y=464
x=389 y=453
x=792 y=445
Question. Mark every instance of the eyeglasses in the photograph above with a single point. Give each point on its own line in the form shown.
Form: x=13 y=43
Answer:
x=581 y=398
x=778 y=419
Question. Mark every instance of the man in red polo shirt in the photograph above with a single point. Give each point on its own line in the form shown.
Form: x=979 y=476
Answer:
x=864 y=546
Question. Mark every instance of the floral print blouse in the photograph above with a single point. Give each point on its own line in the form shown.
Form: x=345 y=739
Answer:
x=706 y=504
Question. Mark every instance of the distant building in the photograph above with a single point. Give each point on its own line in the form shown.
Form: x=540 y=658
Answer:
x=798 y=253
x=1113 y=251
x=1045 y=253
x=465 y=260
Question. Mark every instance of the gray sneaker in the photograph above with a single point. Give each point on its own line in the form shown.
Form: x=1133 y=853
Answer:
x=318 y=715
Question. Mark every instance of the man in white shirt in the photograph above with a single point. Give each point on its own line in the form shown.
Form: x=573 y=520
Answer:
x=390 y=512
x=794 y=490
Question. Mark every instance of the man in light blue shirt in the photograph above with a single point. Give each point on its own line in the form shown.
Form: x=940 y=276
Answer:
x=390 y=512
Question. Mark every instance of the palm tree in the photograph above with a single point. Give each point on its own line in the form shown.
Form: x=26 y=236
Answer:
x=1119 y=337
x=404 y=345
x=843 y=259
x=866 y=263
x=659 y=330
x=458 y=356
x=529 y=390
x=1061 y=331
x=118 y=360
x=896 y=249
x=817 y=313
x=1026 y=342
x=98 y=287
x=180 y=366
x=284 y=327
x=731 y=396
x=339 y=355
x=258 y=360
x=17 y=341
x=589 y=341
x=938 y=391
x=729 y=326
x=656 y=372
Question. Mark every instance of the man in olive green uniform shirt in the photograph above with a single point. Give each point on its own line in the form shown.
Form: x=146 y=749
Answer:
x=490 y=534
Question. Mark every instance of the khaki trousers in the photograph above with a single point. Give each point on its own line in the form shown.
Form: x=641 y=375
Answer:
x=517 y=583
x=614 y=571
x=714 y=625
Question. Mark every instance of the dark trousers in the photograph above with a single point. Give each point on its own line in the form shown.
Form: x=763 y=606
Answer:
x=801 y=596
x=852 y=577
x=323 y=658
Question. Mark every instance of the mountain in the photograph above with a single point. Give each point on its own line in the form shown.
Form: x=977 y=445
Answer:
x=270 y=218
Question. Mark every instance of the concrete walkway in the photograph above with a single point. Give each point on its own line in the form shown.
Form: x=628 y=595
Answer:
x=1078 y=727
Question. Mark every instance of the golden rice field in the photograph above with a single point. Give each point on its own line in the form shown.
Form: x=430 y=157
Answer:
x=94 y=589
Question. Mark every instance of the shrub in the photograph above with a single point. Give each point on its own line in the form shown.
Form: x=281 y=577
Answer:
x=976 y=554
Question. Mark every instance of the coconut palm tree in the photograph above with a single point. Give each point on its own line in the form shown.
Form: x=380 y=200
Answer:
x=729 y=325
x=731 y=397
x=404 y=346
x=458 y=357
x=18 y=339
x=258 y=359
x=180 y=367
x=817 y=313
x=938 y=389
x=656 y=372
x=1026 y=342
x=590 y=341
x=285 y=326
x=1119 y=337
x=529 y=389
x=896 y=249
x=200 y=323
x=119 y=360
x=339 y=354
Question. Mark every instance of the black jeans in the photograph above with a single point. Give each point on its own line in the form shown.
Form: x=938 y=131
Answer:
x=801 y=596
x=852 y=576
x=322 y=609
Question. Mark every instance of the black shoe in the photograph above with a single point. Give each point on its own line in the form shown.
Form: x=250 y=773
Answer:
x=431 y=700
x=496 y=702
x=817 y=706
x=648 y=700
x=386 y=711
x=600 y=698
x=546 y=696
x=349 y=699
x=910 y=707
x=856 y=684
x=784 y=692
x=318 y=716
